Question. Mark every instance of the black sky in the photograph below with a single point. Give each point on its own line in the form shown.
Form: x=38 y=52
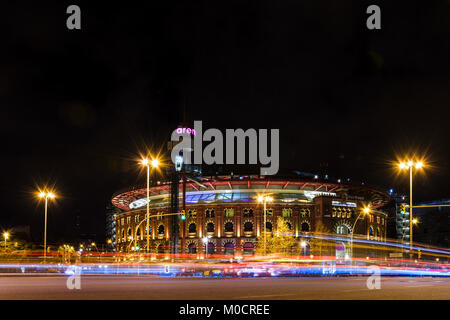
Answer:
x=78 y=106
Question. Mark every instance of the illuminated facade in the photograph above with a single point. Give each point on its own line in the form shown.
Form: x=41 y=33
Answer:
x=226 y=211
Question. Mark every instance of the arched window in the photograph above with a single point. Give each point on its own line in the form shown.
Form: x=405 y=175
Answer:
x=248 y=226
x=229 y=227
x=138 y=232
x=123 y=234
x=268 y=226
x=192 y=228
x=342 y=229
x=378 y=233
x=192 y=213
x=229 y=213
x=210 y=227
x=289 y=225
x=212 y=213
x=129 y=232
x=286 y=212
x=161 y=229
x=370 y=231
x=207 y=213
x=305 y=227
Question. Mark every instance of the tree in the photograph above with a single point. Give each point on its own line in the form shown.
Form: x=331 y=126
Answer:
x=282 y=241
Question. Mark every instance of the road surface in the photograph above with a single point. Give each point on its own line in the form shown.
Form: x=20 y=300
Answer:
x=154 y=288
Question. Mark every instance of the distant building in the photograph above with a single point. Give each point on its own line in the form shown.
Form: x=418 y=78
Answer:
x=224 y=210
x=111 y=213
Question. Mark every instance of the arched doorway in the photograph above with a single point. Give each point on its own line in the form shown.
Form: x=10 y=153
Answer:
x=229 y=248
x=211 y=248
x=192 y=248
x=248 y=249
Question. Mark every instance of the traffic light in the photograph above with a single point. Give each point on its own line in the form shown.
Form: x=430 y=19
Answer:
x=403 y=208
x=182 y=215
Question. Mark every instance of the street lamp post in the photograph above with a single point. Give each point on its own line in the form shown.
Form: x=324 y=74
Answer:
x=264 y=200
x=154 y=163
x=6 y=236
x=365 y=211
x=205 y=242
x=410 y=165
x=46 y=196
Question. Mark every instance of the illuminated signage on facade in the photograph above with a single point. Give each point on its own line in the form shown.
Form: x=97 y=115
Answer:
x=343 y=204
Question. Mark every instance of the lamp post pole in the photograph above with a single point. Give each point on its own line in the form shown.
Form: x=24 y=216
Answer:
x=45 y=228
x=365 y=211
x=410 y=208
x=264 y=228
x=148 y=209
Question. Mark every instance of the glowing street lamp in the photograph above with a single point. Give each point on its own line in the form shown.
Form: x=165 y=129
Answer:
x=264 y=200
x=303 y=245
x=46 y=195
x=6 y=236
x=404 y=165
x=155 y=164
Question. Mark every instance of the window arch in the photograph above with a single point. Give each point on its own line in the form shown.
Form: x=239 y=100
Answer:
x=229 y=212
x=269 y=226
x=209 y=213
x=248 y=213
x=210 y=227
x=370 y=231
x=342 y=229
x=305 y=227
x=248 y=226
x=192 y=228
x=229 y=227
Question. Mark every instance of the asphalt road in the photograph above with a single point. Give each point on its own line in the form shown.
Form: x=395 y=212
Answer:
x=154 y=288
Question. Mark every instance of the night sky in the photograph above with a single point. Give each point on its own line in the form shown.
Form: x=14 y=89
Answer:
x=77 y=106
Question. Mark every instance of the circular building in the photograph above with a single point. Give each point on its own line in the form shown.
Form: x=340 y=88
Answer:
x=223 y=215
